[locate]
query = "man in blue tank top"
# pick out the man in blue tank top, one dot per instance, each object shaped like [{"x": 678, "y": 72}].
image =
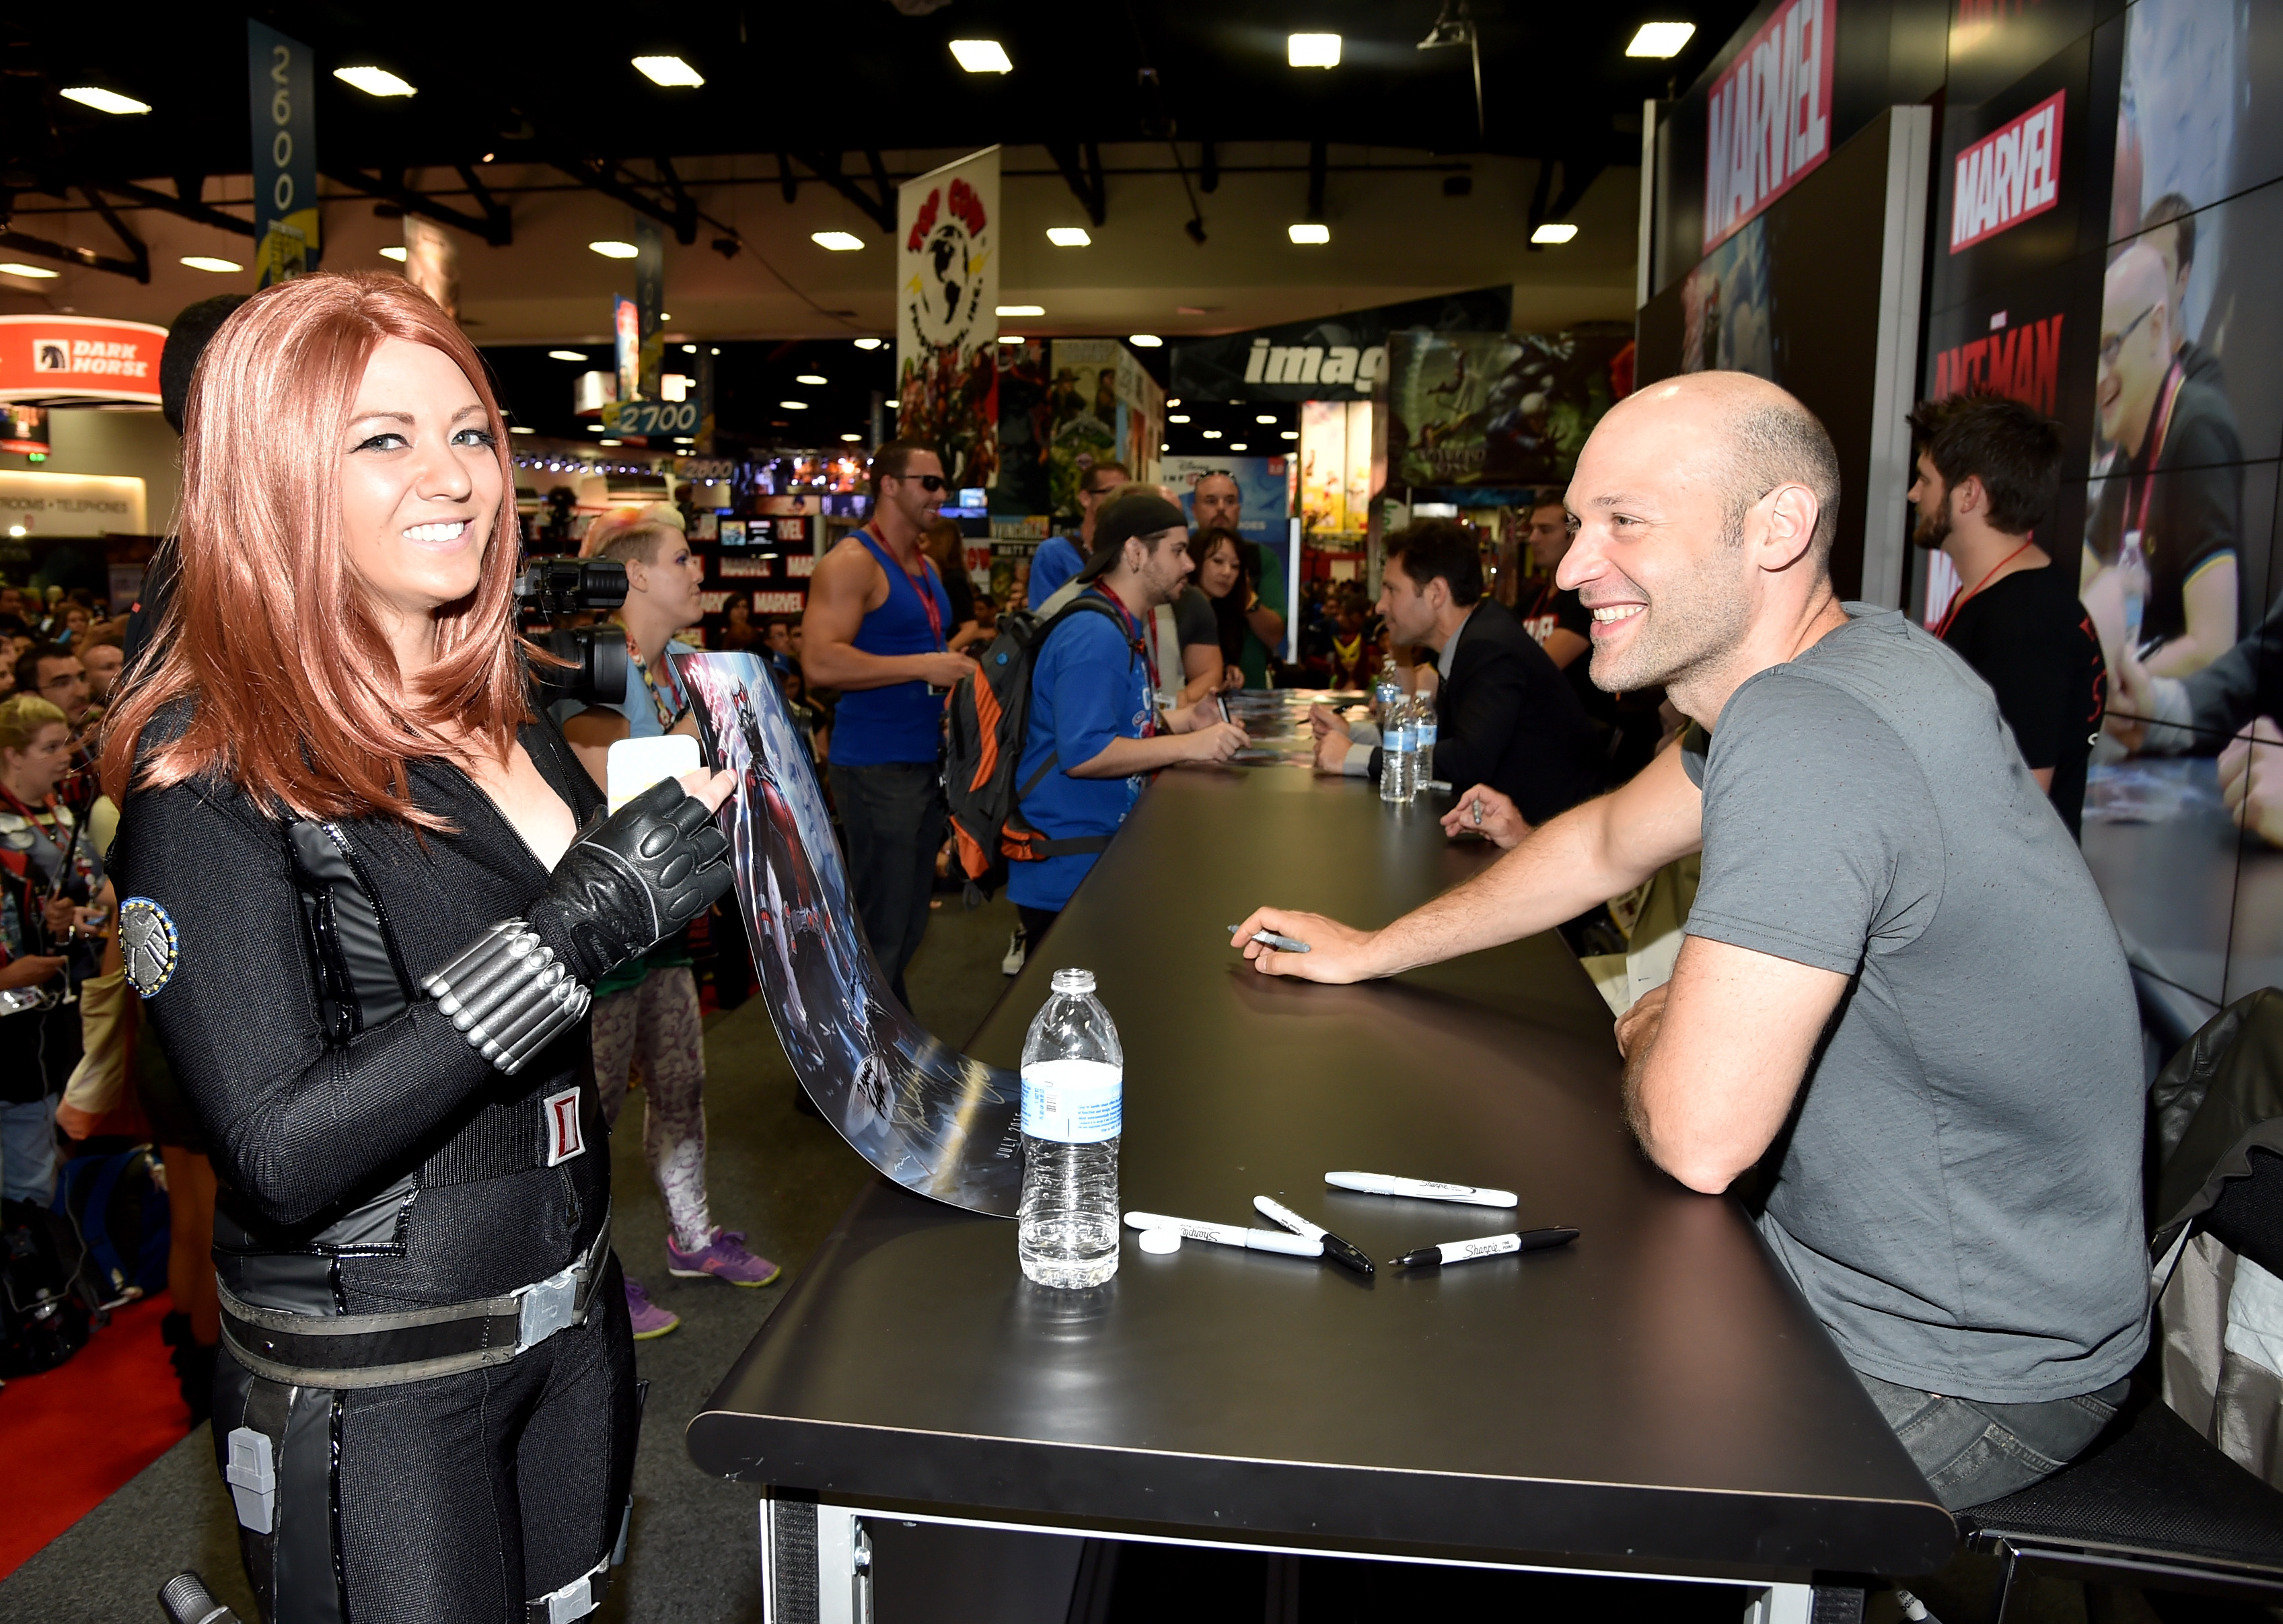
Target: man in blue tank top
[{"x": 878, "y": 628}]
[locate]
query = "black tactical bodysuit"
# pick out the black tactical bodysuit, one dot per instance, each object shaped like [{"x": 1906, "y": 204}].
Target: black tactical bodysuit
[{"x": 370, "y": 1163}]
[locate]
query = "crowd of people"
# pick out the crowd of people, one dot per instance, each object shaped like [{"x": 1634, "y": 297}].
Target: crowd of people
[{"x": 350, "y": 797}]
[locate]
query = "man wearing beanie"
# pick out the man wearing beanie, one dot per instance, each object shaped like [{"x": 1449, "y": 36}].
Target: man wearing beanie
[{"x": 1094, "y": 729}]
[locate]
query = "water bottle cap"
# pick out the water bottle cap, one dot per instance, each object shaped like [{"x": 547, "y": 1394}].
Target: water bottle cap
[{"x": 1073, "y": 980}]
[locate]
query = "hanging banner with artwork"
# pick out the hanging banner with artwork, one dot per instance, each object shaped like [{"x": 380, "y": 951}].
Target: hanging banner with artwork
[
  {"x": 281, "y": 75},
  {"x": 1499, "y": 408},
  {"x": 924, "y": 1114},
  {"x": 432, "y": 262},
  {"x": 1100, "y": 407},
  {"x": 947, "y": 315},
  {"x": 1331, "y": 357}
]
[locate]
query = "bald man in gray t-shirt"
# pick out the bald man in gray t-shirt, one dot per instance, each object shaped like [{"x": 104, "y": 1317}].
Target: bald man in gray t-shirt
[{"x": 1899, "y": 997}]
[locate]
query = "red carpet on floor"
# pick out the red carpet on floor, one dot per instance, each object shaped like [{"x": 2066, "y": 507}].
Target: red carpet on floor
[{"x": 73, "y": 1435}]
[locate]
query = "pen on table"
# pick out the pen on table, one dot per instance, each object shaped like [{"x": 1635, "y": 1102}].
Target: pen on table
[
  {"x": 1421, "y": 1189},
  {"x": 1341, "y": 1252},
  {"x": 1487, "y": 1246},
  {"x": 1269, "y": 938},
  {"x": 1228, "y": 1234},
  {"x": 1440, "y": 786}
]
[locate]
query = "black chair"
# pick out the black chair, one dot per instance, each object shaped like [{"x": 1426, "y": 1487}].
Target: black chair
[{"x": 2152, "y": 1502}]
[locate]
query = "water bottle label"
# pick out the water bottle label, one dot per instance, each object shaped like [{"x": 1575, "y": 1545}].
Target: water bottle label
[
  {"x": 1073, "y": 1102},
  {"x": 1400, "y": 740}
]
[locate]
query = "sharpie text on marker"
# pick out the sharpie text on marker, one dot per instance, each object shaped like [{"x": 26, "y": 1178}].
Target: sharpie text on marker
[
  {"x": 1421, "y": 1189},
  {"x": 1228, "y": 1234},
  {"x": 1486, "y": 1246}
]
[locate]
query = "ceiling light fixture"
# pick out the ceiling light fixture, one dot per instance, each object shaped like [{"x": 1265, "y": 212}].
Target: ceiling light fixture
[
  {"x": 1010, "y": 338},
  {"x": 1660, "y": 38},
  {"x": 869, "y": 343},
  {"x": 565, "y": 356},
  {"x": 1022, "y": 310},
  {"x": 1177, "y": 417},
  {"x": 374, "y": 81},
  {"x": 839, "y": 242},
  {"x": 395, "y": 251},
  {"x": 610, "y": 442},
  {"x": 1176, "y": 400},
  {"x": 669, "y": 73},
  {"x": 1069, "y": 237},
  {"x": 1308, "y": 233},
  {"x": 1312, "y": 50},
  {"x": 1290, "y": 434},
  {"x": 1145, "y": 341},
  {"x": 1551, "y": 232},
  {"x": 594, "y": 428},
  {"x": 689, "y": 349},
  {"x": 517, "y": 428},
  {"x": 981, "y": 56},
  {"x": 1263, "y": 417},
  {"x": 611, "y": 248},
  {"x": 794, "y": 406},
  {"x": 1212, "y": 433},
  {"x": 1238, "y": 444},
  {"x": 15, "y": 268},
  {"x": 811, "y": 379},
  {"x": 851, "y": 438},
  {"x": 208, "y": 262},
  {"x": 102, "y": 100}
]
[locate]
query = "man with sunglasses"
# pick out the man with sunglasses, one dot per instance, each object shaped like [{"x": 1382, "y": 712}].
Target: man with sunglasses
[
  {"x": 2175, "y": 489},
  {"x": 878, "y": 628},
  {"x": 1060, "y": 558}
]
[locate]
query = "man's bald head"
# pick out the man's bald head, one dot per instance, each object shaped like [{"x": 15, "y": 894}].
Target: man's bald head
[
  {"x": 2136, "y": 343},
  {"x": 1749, "y": 436},
  {"x": 1706, "y": 508}
]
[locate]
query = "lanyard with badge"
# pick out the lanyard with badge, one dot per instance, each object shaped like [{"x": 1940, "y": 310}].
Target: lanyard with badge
[
  {"x": 2136, "y": 525},
  {"x": 922, "y": 582},
  {"x": 1141, "y": 645},
  {"x": 669, "y": 706}
]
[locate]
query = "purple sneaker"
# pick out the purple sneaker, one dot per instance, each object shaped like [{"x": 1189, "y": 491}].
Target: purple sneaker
[
  {"x": 724, "y": 1257},
  {"x": 649, "y": 1319}
]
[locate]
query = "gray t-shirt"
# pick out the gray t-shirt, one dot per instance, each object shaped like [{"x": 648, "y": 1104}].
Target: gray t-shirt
[{"x": 1959, "y": 1194}]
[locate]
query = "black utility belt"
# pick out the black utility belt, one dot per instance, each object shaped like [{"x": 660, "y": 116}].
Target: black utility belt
[{"x": 381, "y": 1350}]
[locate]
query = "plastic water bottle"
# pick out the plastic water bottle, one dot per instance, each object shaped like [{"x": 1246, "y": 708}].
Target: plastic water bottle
[
  {"x": 1073, "y": 1094},
  {"x": 1397, "y": 759},
  {"x": 2132, "y": 575},
  {"x": 1423, "y": 729},
  {"x": 1386, "y": 693}
]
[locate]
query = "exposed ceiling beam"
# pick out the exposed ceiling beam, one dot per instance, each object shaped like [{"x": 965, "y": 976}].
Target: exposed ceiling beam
[
  {"x": 135, "y": 247},
  {"x": 1081, "y": 167},
  {"x": 879, "y": 207},
  {"x": 603, "y": 175},
  {"x": 39, "y": 248},
  {"x": 183, "y": 203},
  {"x": 494, "y": 226}
]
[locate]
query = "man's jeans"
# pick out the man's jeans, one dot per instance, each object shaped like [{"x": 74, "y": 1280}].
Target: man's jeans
[
  {"x": 28, "y": 1150},
  {"x": 895, "y": 817},
  {"x": 1972, "y": 1452}
]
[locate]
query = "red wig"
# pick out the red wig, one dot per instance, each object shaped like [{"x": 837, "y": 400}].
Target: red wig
[{"x": 292, "y": 687}]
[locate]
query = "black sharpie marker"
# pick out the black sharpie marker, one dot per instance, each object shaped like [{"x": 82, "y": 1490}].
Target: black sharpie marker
[{"x": 1488, "y": 1246}]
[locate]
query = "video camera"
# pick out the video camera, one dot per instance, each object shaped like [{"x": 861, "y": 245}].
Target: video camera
[{"x": 594, "y": 656}]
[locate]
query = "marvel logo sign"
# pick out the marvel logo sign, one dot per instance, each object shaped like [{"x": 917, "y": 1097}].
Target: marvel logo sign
[
  {"x": 2008, "y": 177},
  {"x": 1768, "y": 119}
]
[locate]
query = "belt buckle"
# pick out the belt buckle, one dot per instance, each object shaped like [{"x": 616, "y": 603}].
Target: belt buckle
[{"x": 547, "y": 1307}]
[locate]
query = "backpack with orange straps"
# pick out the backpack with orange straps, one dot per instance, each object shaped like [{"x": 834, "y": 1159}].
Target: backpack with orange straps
[{"x": 990, "y": 720}]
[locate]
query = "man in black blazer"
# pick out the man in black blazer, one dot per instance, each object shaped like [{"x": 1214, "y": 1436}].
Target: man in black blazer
[{"x": 1505, "y": 714}]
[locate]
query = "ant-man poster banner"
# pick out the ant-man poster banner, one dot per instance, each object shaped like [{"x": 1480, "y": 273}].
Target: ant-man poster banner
[{"x": 923, "y": 1114}]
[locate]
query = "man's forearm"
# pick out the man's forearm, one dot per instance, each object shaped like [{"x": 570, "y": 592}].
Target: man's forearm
[
  {"x": 846, "y": 667},
  {"x": 1586, "y": 855},
  {"x": 1125, "y": 758}
]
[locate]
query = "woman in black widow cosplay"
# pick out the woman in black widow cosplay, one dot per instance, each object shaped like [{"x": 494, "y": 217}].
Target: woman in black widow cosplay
[{"x": 364, "y": 916}]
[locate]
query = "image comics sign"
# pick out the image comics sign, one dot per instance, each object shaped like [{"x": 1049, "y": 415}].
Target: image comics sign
[{"x": 925, "y": 1116}]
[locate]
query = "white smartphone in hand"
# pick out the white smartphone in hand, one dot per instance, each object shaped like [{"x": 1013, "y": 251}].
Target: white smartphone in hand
[{"x": 634, "y": 765}]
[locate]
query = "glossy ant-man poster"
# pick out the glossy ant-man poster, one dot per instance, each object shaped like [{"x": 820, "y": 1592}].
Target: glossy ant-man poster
[{"x": 926, "y": 1115}]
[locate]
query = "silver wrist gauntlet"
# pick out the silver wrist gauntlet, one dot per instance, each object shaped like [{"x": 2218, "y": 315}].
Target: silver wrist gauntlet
[{"x": 508, "y": 996}]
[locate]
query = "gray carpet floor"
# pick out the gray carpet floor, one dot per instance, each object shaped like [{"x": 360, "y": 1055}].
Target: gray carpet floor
[{"x": 780, "y": 1176}]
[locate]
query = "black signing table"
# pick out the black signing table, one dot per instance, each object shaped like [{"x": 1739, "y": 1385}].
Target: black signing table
[{"x": 1655, "y": 1399}]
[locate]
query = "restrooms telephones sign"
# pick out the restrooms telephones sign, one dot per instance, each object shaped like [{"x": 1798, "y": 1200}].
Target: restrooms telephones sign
[{"x": 1768, "y": 119}]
